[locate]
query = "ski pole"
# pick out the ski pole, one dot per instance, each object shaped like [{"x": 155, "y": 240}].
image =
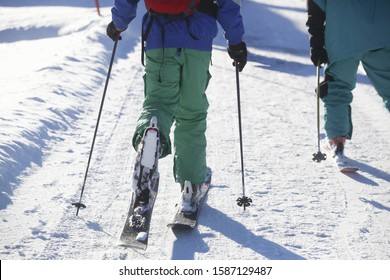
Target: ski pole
[
  {"x": 97, "y": 7},
  {"x": 79, "y": 204},
  {"x": 318, "y": 156},
  {"x": 243, "y": 200}
]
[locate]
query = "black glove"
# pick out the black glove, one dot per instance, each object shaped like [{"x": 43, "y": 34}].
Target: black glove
[
  {"x": 318, "y": 54},
  {"x": 239, "y": 54},
  {"x": 112, "y": 32},
  {"x": 316, "y": 28}
]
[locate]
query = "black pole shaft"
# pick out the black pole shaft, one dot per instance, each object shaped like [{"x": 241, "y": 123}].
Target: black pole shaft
[
  {"x": 240, "y": 130},
  {"x": 79, "y": 204},
  {"x": 318, "y": 107},
  {"x": 318, "y": 156}
]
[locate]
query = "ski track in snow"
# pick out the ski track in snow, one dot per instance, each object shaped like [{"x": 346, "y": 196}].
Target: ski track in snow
[{"x": 301, "y": 209}]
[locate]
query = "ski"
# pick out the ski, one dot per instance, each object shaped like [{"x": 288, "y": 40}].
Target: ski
[
  {"x": 348, "y": 169},
  {"x": 135, "y": 232},
  {"x": 189, "y": 221}
]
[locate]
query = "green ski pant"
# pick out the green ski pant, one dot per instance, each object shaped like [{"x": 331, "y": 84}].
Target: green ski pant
[
  {"x": 175, "y": 83},
  {"x": 338, "y": 121}
]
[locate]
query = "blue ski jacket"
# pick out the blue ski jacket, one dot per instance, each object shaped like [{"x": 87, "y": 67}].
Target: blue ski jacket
[
  {"x": 355, "y": 26},
  {"x": 196, "y": 31}
]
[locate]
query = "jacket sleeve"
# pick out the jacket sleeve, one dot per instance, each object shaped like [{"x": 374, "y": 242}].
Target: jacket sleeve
[
  {"x": 123, "y": 12},
  {"x": 315, "y": 20},
  {"x": 229, "y": 17}
]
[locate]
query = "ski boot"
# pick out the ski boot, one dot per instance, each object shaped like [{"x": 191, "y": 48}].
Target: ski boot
[
  {"x": 335, "y": 147},
  {"x": 145, "y": 173},
  {"x": 190, "y": 198}
]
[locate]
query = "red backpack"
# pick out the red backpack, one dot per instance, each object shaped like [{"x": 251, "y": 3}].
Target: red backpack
[{"x": 172, "y": 7}]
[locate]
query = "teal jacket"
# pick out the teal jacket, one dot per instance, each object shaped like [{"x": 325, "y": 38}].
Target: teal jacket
[{"x": 355, "y": 26}]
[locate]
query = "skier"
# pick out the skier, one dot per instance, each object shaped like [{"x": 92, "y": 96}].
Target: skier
[
  {"x": 178, "y": 48},
  {"x": 343, "y": 34}
]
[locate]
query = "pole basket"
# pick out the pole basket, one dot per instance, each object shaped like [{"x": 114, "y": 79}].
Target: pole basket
[
  {"x": 244, "y": 201},
  {"x": 318, "y": 157},
  {"x": 78, "y": 205}
]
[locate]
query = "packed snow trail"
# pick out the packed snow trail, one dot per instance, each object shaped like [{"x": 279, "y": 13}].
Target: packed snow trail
[{"x": 300, "y": 210}]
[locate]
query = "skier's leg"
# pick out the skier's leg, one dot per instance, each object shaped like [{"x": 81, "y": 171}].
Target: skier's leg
[
  {"x": 377, "y": 66},
  {"x": 162, "y": 88},
  {"x": 190, "y": 128},
  {"x": 337, "y": 102}
]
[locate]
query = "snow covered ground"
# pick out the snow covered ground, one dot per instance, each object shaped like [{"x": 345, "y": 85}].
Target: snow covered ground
[{"x": 54, "y": 61}]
